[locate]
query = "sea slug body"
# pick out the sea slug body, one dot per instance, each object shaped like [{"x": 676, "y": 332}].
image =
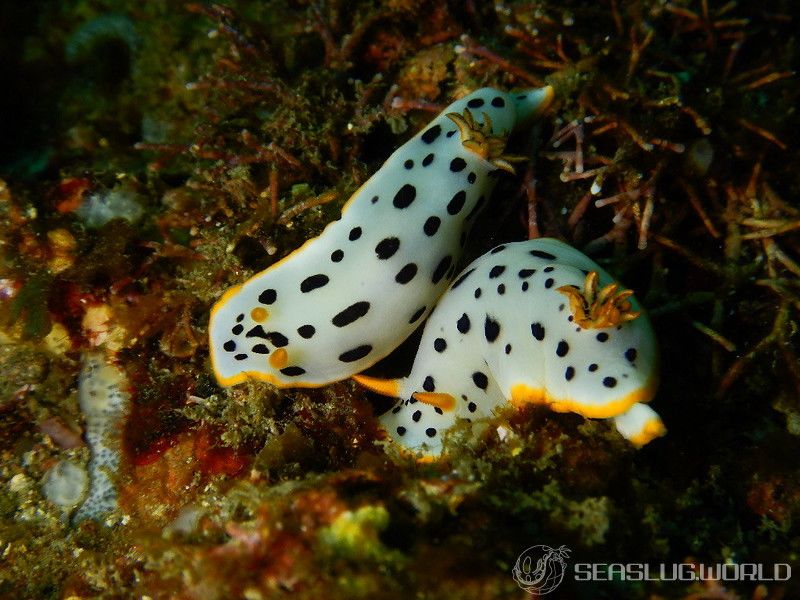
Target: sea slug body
[
  {"x": 103, "y": 397},
  {"x": 347, "y": 298},
  {"x": 534, "y": 321}
]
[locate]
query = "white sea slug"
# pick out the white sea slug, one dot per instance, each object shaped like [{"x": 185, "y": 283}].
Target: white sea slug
[
  {"x": 534, "y": 321},
  {"x": 347, "y": 298},
  {"x": 103, "y": 397}
]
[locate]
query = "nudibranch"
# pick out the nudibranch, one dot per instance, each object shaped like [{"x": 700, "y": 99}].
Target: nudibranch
[
  {"x": 534, "y": 321},
  {"x": 350, "y": 296},
  {"x": 104, "y": 398}
]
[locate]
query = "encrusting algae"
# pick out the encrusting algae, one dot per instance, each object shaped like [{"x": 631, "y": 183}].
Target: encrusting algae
[{"x": 154, "y": 158}]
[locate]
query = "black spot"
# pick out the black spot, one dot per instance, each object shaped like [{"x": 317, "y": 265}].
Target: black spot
[
  {"x": 497, "y": 249},
  {"x": 278, "y": 339},
  {"x": 472, "y": 407},
  {"x": 240, "y": 356},
  {"x": 560, "y": 307},
  {"x": 508, "y": 348},
  {"x": 409, "y": 164},
  {"x": 457, "y": 203},
  {"x": 476, "y": 208},
  {"x": 569, "y": 373},
  {"x": 472, "y": 178},
  {"x": 475, "y": 103},
  {"x": 268, "y": 296},
  {"x": 312, "y": 283},
  {"x": 438, "y": 410},
  {"x": 521, "y": 97},
  {"x": 441, "y": 269},
  {"x": 428, "y": 385},
  {"x": 356, "y": 353},
  {"x": 405, "y": 196},
  {"x": 406, "y": 274},
  {"x": 387, "y": 247},
  {"x": 431, "y": 225},
  {"x": 355, "y": 233},
  {"x": 602, "y": 336},
  {"x": 537, "y": 329},
  {"x": 427, "y": 160},
  {"x": 401, "y": 430},
  {"x": 416, "y": 416},
  {"x": 397, "y": 409},
  {"x": 430, "y": 432},
  {"x": 630, "y": 354},
  {"x": 478, "y": 293},
  {"x": 549, "y": 282},
  {"x": 498, "y": 102},
  {"x": 306, "y": 331},
  {"x": 257, "y": 331},
  {"x": 337, "y": 255},
  {"x": 609, "y": 382},
  {"x": 260, "y": 349},
  {"x": 480, "y": 380},
  {"x": 439, "y": 344},
  {"x": 463, "y": 323},
  {"x": 451, "y": 133},
  {"x": 491, "y": 329},
  {"x": 293, "y": 371},
  {"x": 461, "y": 279},
  {"x": 501, "y": 289},
  {"x": 431, "y": 134},
  {"x": 374, "y": 200},
  {"x": 570, "y": 318},
  {"x": 542, "y": 254},
  {"x": 592, "y": 367},
  {"x": 562, "y": 349},
  {"x": 524, "y": 286},
  {"x": 548, "y": 269},
  {"x": 237, "y": 329},
  {"x": 350, "y": 314},
  {"x": 525, "y": 273},
  {"x": 415, "y": 317},
  {"x": 229, "y": 346},
  {"x": 240, "y": 318},
  {"x": 496, "y": 271},
  {"x": 457, "y": 164}
]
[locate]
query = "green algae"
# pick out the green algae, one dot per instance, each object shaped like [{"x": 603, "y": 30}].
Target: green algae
[{"x": 30, "y": 307}]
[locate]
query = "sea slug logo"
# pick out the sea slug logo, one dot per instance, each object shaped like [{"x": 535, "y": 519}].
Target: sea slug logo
[{"x": 540, "y": 569}]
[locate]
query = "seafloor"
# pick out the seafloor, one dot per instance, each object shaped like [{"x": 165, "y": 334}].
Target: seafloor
[{"x": 154, "y": 154}]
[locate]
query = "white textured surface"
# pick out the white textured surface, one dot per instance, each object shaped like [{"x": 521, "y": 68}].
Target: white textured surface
[{"x": 103, "y": 399}]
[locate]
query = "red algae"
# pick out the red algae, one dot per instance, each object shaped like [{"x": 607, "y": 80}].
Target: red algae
[{"x": 216, "y": 459}]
